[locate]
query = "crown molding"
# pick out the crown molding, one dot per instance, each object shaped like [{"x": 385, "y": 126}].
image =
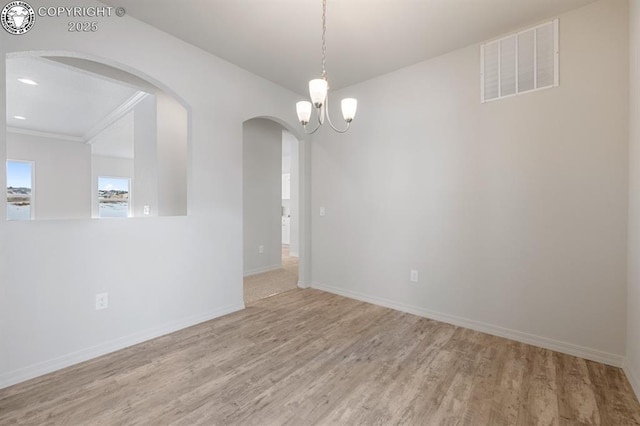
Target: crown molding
[
  {"x": 49, "y": 135},
  {"x": 114, "y": 116}
]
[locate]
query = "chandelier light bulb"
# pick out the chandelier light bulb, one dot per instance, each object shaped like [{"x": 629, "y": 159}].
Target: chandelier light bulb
[
  {"x": 318, "y": 91},
  {"x": 349, "y": 107},
  {"x": 303, "y": 108}
]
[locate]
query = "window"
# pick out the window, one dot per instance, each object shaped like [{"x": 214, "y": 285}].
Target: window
[
  {"x": 19, "y": 190},
  {"x": 520, "y": 63},
  {"x": 113, "y": 196}
]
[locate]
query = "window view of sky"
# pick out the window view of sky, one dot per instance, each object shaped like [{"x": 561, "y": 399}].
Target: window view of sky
[
  {"x": 113, "y": 184},
  {"x": 18, "y": 174}
]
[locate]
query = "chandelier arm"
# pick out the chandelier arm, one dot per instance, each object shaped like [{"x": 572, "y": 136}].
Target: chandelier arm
[
  {"x": 318, "y": 90},
  {"x": 326, "y": 106},
  {"x": 317, "y": 125},
  {"x": 312, "y": 131},
  {"x": 338, "y": 130}
]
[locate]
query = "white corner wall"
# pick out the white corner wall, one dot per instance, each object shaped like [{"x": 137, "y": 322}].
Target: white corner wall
[
  {"x": 262, "y": 195},
  {"x": 513, "y": 212},
  {"x": 62, "y": 182},
  {"x": 632, "y": 365},
  {"x": 145, "y": 156},
  {"x": 294, "y": 202},
  {"x": 172, "y": 156},
  {"x": 172, "y": 271}
]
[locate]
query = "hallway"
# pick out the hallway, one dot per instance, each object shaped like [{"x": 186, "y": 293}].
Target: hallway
[{"x": 261, "y": 286}]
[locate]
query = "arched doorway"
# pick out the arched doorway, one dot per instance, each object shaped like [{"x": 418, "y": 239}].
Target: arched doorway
[{"x": 274, "y": 213}]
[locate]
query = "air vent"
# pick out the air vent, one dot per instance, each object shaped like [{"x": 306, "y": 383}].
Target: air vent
[{"x": 520, "y": 63}]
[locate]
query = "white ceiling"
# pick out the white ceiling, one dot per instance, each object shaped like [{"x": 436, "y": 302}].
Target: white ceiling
[
  {"x": 68, "y": 102},
  {"x": 280, "y": 39}
]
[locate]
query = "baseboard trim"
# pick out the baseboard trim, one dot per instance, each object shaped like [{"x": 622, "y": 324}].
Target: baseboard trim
[
  {"x": 303, "y": 284},
  {"x": 49, "y": 366},
  {"x": 262, "y": 270},
  {"x": 531, "y": 339},
  {"x": 632, "y": 377}
]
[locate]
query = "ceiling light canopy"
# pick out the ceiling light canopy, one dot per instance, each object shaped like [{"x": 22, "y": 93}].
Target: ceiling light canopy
[
  {"x": 318, "y": 91},
  {"x": 28, "y": 81}
]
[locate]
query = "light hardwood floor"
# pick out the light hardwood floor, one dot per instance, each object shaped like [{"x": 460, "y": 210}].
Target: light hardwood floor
[
  {"x": 307, "y": 357},
  {"x": 267, "y": 284}
]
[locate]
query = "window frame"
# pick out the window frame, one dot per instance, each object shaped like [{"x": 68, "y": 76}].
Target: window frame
[
  {"x": 556, "y": 64},
  {"x": 129, "y": 199},
  {"x": 32, "y": 195}
]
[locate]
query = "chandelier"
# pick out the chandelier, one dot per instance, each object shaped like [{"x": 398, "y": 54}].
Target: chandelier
[{"x": 318, "y": 90}]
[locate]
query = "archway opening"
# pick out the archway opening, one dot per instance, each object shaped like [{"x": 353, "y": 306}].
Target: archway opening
[{"x": 272, "y": 209}]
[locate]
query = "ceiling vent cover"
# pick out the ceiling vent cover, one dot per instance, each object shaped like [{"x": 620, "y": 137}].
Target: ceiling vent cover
[{"x": 520, "y": 63}]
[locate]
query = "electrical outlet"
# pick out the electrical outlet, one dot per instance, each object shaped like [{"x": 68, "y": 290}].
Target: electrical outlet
[
  {"x": 102, "y": 301},
  {"x": 260, "y": 249},
  {"x": 414, "y": 276},
  {"x": 147, "y": 209}
]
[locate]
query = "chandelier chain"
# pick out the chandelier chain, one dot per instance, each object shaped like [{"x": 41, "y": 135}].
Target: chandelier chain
[
  {"x": 318, "y": 89},
  {"x": 324, "y": 39}
]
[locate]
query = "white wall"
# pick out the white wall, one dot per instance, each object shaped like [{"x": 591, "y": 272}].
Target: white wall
[
  {"x": 172, "y": 156},
  {"x": 172, "y": 271},
  {"x": 145, "y": 156},
  {"x": 117, "y": 139},
  {"x": 294, "y": 206},
  {"x": 632, "y": 366},
  {"x": 513, "y": 212},
  {"x": 62, "y": 183},
  {"x": 262, "y": 195}
]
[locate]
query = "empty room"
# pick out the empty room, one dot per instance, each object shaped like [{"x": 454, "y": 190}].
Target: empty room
[{"x": 320, "y": 212}]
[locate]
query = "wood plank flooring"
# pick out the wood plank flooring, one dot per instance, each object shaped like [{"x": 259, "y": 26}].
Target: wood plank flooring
[
  {"x": 267, "y": 284},
  {"x": 305, "y": 357}
]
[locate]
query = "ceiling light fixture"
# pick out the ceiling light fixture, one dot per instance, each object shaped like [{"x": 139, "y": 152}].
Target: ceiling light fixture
[
  {"x": 28, "y": 81},
  {"x": 19, "y": 117},
  {"x": 318, "y": 89}
]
